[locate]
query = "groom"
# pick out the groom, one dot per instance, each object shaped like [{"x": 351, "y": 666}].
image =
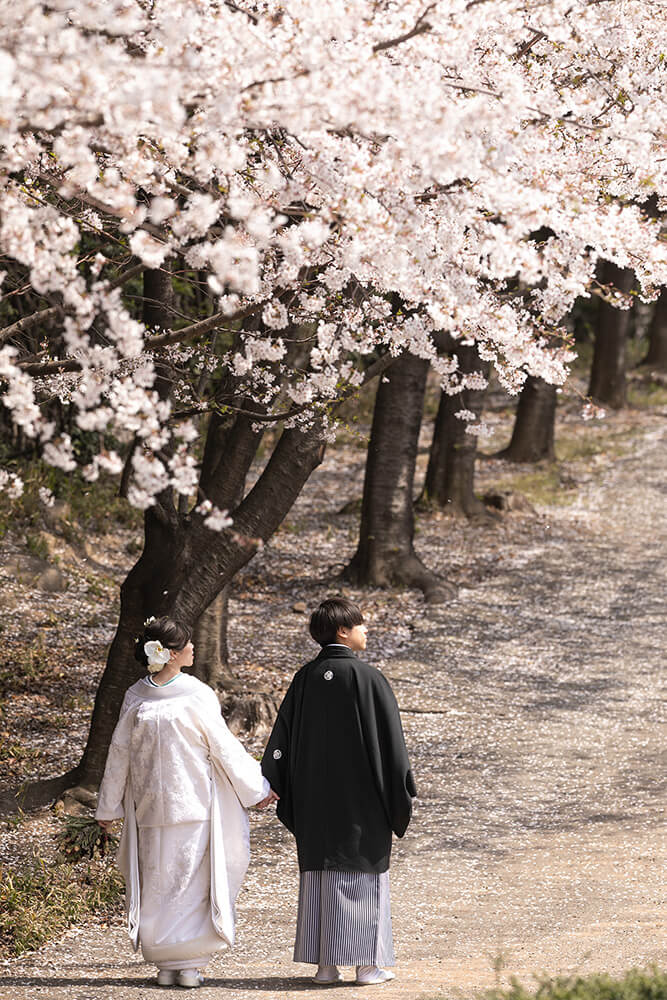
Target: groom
[{"x": 337, "y": 759}]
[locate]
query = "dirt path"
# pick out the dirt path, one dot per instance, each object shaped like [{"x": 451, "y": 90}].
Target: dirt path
[{"x": 532, "y": 709}]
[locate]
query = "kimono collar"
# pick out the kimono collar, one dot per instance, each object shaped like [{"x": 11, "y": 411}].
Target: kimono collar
[
  {"x": 183, "y": 687},
  {"x": 333, "y": 651}
]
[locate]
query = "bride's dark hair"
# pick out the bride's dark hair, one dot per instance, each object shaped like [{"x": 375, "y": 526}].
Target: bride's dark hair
[{"x": 171, "y": 633}]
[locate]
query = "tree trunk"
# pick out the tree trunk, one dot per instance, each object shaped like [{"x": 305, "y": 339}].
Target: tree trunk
[
  {"x": 228, "y": 454},
  {"x": 385, "y": 555},
  {"x": 450, "y": 474},
  {"x": 607, "y": 384},
  {"x": 656, "y": 357},
  {"x": 533, "y": 433},
  {"x": 211, "y": 663}
]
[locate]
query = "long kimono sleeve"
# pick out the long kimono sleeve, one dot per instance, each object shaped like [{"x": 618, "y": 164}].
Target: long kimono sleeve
[
  {"x": 112, "y": 788},
  {"x": 278, "y": 758},
  {"x": 385, "y": 745},
  {"x": 229, "y": 755}
]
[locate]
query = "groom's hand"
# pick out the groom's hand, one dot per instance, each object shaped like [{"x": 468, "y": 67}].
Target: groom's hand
[{"x": 271, "y": 797}]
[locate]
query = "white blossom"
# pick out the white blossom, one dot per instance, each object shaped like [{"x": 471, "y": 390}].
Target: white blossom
[{"x": 215, "y": 519}]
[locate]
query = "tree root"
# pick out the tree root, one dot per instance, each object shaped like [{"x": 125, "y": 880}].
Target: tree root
[
  {"x": 250, "y": 712},
  {"x": 402, "y": 574},
  {"x": 37, "y": 794}
]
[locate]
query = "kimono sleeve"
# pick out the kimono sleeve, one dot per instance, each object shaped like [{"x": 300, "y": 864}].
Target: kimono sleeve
[
  {"x": 279, "y": 756},
  {"x": 385, "y": 745},
  {"x": 112, "y": 788},
  {"x": 229, "y": 755}
]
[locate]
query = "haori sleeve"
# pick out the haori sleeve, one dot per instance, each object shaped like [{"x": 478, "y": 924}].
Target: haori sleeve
[
  {"x": 112, "y": 788},
  {"x": 385, "y": 745},
  {"x": 276, "y": 759},
  {"x": 230, "y": 756}
]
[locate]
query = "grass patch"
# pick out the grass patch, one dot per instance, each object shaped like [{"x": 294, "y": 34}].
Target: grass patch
[
  {"x": 42, "y": 901},
  {"x": 596, "y": 441},
  {"x": 637, "y": 984},
  {"x": 541, "y": 485},
  {"x": 24, "y": 665},
  {"x": 647, "y": 394},
  {"x": 89, "y": 506}
]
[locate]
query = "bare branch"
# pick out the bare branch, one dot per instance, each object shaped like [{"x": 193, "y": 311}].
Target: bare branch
[
  {"x": 203, "y": 326},
  {"x": 421, "y": 26},
  {"x": 28, "y": 322},
  {"x": 131, "y": 272},
  {"x": 527, "y": 46}
]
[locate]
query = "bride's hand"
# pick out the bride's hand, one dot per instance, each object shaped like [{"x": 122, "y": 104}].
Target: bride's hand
[{"x": 271, "y": 797}]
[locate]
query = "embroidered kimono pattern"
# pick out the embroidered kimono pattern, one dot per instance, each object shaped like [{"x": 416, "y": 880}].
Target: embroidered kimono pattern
[{"x": 183, "y": 783}]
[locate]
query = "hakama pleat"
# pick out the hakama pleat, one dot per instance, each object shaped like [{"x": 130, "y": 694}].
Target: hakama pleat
[
  {"x": 344, "y": 918},
  {"x": 175, "y": 929}
]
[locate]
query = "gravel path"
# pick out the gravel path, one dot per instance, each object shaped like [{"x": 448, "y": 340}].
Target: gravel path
[{"x": 532, "y": 710}]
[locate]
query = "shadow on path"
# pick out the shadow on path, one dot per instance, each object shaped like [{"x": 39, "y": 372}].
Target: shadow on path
[{"x": 275, "y": 984}]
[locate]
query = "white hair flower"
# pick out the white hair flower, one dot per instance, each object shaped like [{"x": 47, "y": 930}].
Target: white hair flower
[
  {"x": 149, "y": 620},
  {"x": 157, "y": 655}
]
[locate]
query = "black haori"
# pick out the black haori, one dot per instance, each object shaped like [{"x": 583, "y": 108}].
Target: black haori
[{"x": 337, "y": 759}]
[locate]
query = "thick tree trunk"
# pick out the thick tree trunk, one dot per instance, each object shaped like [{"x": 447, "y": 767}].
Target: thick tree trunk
[
  {"x": 450, "y": 474},
  {"x": 385, "y": 555},
  {"x": 534, "y": 425},
  {"x": 608, "y": 384},
  {"x": 228, "y": 454},
  {"x": 211, "y": 663},
  {"x": 656, "y": 357}
]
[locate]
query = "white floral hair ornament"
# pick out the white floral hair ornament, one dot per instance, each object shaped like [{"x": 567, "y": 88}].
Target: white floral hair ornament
[
  {"x": 157, "y": 655},
  {"x": 149, "y": 620}
]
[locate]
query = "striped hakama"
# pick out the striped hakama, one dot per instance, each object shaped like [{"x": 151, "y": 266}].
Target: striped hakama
[{"x": 344, "y": 919}]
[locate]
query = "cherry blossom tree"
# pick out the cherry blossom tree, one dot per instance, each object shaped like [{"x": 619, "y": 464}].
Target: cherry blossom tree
[{"x": 306, "y": 164}]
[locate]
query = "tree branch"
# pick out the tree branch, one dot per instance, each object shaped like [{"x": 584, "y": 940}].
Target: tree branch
[
  {"x": 527, "y": 46},
  {"x": 420, "y": 27},
  {"x": 28, "y": 322}
]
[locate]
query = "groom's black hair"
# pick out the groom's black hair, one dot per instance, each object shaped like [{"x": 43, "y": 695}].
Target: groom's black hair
[{"x": 331, "y": 615}]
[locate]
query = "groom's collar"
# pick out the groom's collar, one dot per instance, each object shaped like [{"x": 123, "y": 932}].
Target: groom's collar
[{"x": 334, "y": 650}]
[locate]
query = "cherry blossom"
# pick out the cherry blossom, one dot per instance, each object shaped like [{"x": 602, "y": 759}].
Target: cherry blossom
[{"x": 351, "y": 178}]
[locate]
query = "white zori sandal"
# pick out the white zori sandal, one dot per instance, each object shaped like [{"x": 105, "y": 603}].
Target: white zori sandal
[
  {"x": 371, "y": 975},
  {"x": 166, "y": 977},
  {"x": 327, "y": 974},
  {"x": 189, "y": 978}
]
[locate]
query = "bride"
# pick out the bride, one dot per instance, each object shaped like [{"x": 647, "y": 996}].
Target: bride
[{"x": 183, "y": 784}]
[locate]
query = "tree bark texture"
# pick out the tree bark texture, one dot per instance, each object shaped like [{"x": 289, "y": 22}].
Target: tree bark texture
[
  {"x": 229, "y": 450},
  {"x": 534, "y": 424},
  {"x": 608, "y": 383},
  {"x": 657, "y": 335},
  {"x": 385, "y": 554},
  {"x": 450, "y": 474},
  {"x": 211, "y": 663}
]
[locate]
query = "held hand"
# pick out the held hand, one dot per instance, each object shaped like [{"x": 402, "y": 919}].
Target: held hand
[
  {"x": 105, "y": 823},
  {"x": 271, "y": 797}
]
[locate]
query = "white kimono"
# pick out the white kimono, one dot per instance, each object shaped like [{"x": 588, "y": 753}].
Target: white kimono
[{"x": 183, "y": 784}]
